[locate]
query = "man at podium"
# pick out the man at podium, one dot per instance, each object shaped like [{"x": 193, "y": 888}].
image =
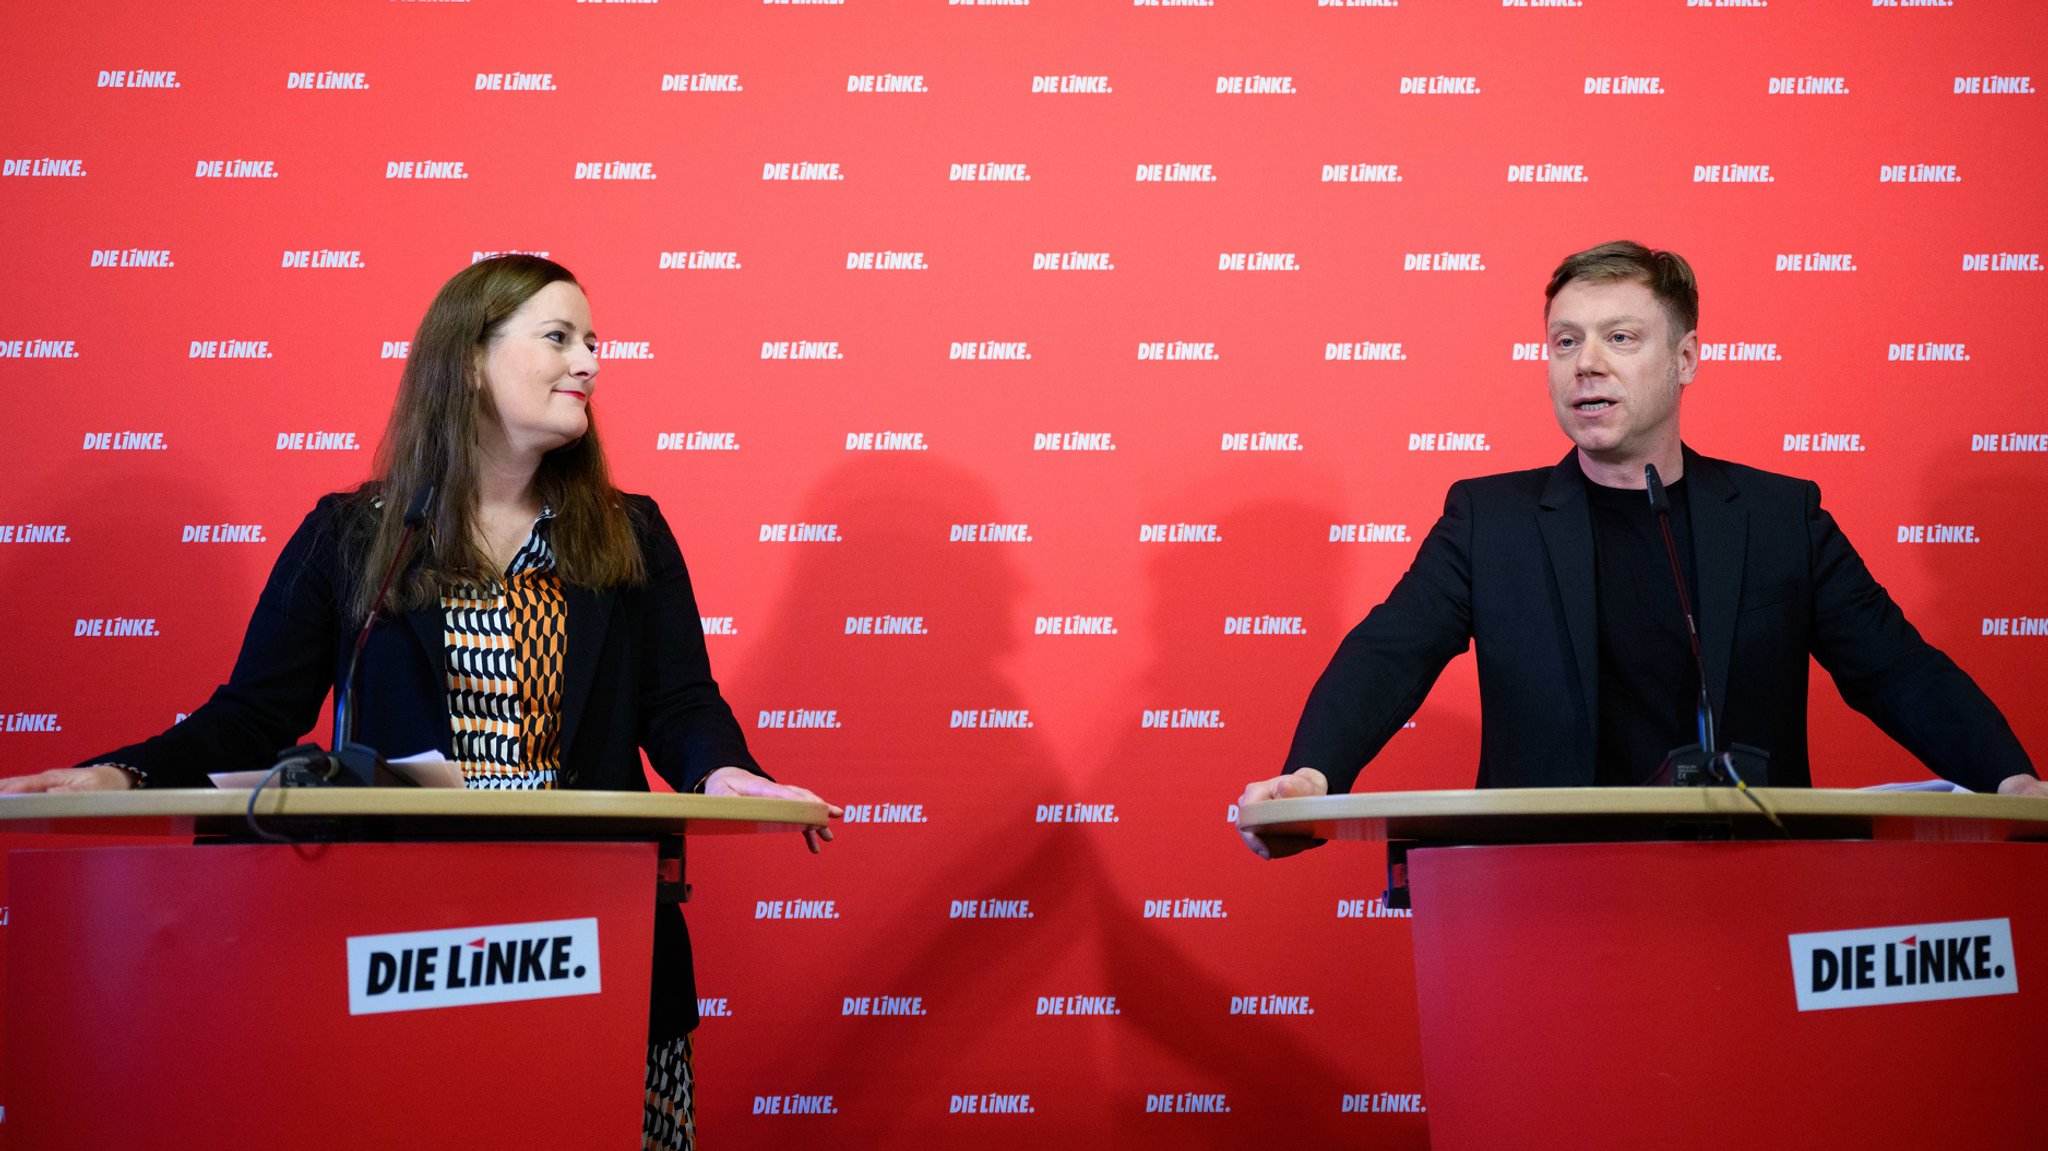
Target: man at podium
[{"x": 1583, "y": 610}]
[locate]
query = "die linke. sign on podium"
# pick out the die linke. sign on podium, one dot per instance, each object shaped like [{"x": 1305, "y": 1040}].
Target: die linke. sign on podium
[
  {"x": 1698, "y": 976},
  {"x": 359, "y": 991}
]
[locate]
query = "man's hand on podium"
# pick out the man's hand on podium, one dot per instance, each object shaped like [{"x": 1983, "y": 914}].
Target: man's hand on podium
[
  {"x": 2022, "y": 785},
  {"x": 740, "y": 781},
  {"x": 1295, "y": 785},
  {"x": 99, "y": 777}
]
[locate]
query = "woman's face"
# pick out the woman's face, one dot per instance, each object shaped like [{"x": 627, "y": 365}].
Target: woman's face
[{"x": 540, "y": 370}]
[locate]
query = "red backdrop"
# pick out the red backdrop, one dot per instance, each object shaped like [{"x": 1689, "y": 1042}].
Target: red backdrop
[{"x": 166, "y": 166}]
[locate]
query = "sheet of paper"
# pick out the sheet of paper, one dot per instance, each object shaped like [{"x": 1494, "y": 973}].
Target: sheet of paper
[
  {"x": 1919, "y": 785},
  {"x": 427, "y": 769}
]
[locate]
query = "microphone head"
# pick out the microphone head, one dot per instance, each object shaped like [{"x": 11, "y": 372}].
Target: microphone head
[
  {"x": 416, "y": 511},
  {"x": 1659, "y": 502}
]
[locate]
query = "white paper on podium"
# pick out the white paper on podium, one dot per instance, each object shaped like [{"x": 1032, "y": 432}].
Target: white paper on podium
[
  {"x": 427, "y": 769},
  {"x": 1920, "y": 785}
]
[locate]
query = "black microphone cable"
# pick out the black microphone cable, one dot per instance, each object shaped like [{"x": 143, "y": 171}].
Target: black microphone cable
[
  {"x": 250, "y": 813},
  {"x": 1720, "y": 763},
  {"x": 344, "y": 700}
]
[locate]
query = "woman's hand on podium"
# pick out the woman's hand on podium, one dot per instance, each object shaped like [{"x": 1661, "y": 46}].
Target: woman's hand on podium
[
  {"x": 740, "y": 781},
  {"x": 1294, "y": 785},
  {"x": 99, "y": 777},
  {"x": 2022, "y": 785}
]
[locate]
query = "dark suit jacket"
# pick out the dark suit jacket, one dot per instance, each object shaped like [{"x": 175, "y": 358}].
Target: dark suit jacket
[
  {"x": 636, "y": 675},
  {"x": 1509, "y": 568}
]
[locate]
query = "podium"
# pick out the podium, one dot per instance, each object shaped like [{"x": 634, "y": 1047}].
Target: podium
[
  {"x": 1627, "y": 968},
  {"x": 427, "y": 968}
]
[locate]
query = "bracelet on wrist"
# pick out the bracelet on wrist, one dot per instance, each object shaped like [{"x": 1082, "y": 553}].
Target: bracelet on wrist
[{"x": 137, "y": 778}]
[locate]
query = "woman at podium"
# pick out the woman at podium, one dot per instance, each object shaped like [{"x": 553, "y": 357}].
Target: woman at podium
[{"x": 539, "y": 631}]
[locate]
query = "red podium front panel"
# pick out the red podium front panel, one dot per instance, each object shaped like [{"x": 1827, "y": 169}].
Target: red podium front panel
[
  {"x": 328, "y": 996},
  {"x": 1758, "y": 995}
]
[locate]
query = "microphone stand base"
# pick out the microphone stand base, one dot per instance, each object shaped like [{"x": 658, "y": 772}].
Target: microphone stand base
[
  {"x": 1692, "y": 766},
  {"x": 351, "y": 765}
]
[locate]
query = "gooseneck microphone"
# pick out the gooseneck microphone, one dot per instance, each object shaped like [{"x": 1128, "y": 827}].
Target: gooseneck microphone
[
  {"x": 344, "y": 699},
  {"x": 1706, "y": 761},
  {"x": 1660, "y": 502},
  {"x": 350, "y": 763}
]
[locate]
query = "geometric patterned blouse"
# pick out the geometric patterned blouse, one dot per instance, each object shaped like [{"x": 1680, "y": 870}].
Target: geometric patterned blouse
[{"x": 506, "y": 645}]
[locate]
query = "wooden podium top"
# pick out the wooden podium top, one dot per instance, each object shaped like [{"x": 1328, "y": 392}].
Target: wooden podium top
[
  {"x": 406, "y": 812},
  {"x": 1578, "y": 814}
]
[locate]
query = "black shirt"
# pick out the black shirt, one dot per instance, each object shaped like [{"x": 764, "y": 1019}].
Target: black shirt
[{"x": 1649, "y": 689}]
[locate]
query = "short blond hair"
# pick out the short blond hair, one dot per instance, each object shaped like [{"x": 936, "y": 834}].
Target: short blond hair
[{"x": 1666, "y": 274}]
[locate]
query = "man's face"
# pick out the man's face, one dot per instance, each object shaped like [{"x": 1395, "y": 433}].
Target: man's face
[{"x": 1616, "y": 371}]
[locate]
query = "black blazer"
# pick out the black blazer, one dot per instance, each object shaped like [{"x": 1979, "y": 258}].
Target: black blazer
[
  {"x": 1509, "y": 568},
  {"x": 636, "y": 675}
]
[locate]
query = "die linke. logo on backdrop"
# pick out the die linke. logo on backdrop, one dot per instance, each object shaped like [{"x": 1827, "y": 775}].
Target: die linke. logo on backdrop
[
  {"x": 516, "y": 82},
  {"x": 615, "y": 170},
  {"x": 38, "y": 349},
  {"x": 1176, "y": 173},
  {"x": 1361, "y": 173},
  {"x": 1442, "y": 262},
  {"x": 1807, "y": 85},
  {"x": 1994, "y": 86},
  {"x": 801, "y": 170},
  {"x": 1439, "y": 86},
  {"x": 1378, "y": 1102},
  {"x": 1187, "y": 1103},
  {"x": 2002, "y": 262},
  {"x": 701, "y": 82},
  {"x": 131, "y": 258},
  {"x": 885, "y": 813},
  {"x": 425, "y": 170},
  {"x": 699, "y": 260},
  {"x": 2009, "y": 442},
  {"x": 42, "y": 166},
  {"x": 457, "y": 967},
  {"x": 989, "y": 350},
  {"x": 2019, "y": 625},
  {"x": 1816, "y": 262},
  {"x": 139, "y": 78},
  {"x": 1738, "y": 352},
  {"x": 1732, "y": 174},
  {"x": 884, "y": 82},
  {"x": 35, "y": 533},
  {"x": 1918, "y": 174},
  {"x": 1255, "y": 86},
  {"x": 1379, "y": 350},
  {"x": 317, "y": 441},
  {"x": 1072, "y": 85},
  {"x": 1825, "y": 442},
  {"x": 236, "y": 169},
  {"x": 795, "y": 1104},
  {"x": 322, "y": 258},
  {"x": 328, "y": 81},
  {"x": 1914, "y": 963},
  {"x": 1624, "y": 86},
  {"x": 1547, "y": 173},
  {"x": 990, "y": 171}
]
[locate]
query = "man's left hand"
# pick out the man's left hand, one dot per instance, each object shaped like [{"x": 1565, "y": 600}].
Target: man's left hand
[
  {"x": 2022, "y": 785},
  {"x": 740, "y": 781}
]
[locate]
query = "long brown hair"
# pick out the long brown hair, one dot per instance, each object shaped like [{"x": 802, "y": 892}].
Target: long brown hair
[{"x": 433, "y": 439}]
